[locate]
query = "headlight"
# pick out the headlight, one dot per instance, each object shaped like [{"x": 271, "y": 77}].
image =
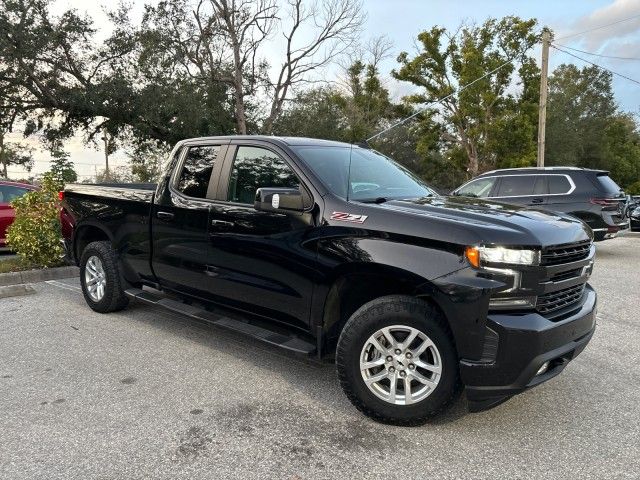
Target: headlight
[{"x": 479, "y": 256}]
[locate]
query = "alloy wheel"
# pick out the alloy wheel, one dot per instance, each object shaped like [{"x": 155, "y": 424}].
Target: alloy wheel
[{"x": 400, "y": 365}]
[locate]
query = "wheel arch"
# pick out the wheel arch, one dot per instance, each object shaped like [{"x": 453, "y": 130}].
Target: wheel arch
[
  {"x": 85, "y": 234},
  {"x": 357, "y": 285}
]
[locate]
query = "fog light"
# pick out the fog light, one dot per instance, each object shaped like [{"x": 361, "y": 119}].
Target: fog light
[{"x": 543, "y": 368}]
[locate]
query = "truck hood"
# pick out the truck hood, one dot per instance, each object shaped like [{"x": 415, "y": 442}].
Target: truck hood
[{"x": 494, "y": 222}]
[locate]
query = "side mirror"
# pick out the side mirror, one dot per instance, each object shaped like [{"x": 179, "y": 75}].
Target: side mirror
[{"x": 279, "y": 200}]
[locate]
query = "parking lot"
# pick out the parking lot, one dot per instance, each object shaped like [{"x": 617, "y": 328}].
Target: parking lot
[{"x": 147, "y": 394}]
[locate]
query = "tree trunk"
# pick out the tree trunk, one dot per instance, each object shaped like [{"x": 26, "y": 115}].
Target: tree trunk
[
  {"x": 472, "y": 152},
  {"x": 2, "y": 160},
  {"x": 241, "y": 118}
]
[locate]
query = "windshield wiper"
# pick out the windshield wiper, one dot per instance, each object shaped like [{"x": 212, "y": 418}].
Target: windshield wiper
[{"x": 377, "y": 200}]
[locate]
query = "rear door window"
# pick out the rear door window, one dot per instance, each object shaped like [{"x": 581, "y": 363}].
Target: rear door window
[
  {"x": 480, "y": 188},
  {"x": 196, "y": 170},
  {"x": 516, "y": 185},
  {"x": 558, "y": 185}
]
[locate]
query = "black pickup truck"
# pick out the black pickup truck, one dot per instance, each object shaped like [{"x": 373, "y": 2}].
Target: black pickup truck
[{"x": 335, "y": 251}]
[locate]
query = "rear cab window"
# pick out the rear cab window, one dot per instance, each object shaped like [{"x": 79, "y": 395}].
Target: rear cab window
[{"x": 196, "y": 170}]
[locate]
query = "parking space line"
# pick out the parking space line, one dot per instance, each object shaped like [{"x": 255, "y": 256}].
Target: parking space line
[{"x": 64, "y": 286}]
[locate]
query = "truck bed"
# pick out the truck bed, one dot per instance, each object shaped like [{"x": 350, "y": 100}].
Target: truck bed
[{"x": 141, "y": 192}]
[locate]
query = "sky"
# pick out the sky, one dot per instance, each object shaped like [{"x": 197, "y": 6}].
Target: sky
[{"x": 401, "y": 21}]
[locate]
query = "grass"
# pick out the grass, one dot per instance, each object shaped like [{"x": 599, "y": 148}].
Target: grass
[{"x": 17, "y": 264}]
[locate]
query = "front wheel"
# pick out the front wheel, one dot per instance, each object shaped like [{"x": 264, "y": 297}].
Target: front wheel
[
  {"x": 100, "y": 278},
  {"x": 396, "y": 361}
]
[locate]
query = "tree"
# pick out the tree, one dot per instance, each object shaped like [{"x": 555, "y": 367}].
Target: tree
[
  {"x": 62, "y": 169},
  {"x": 585, "y": 127},
  {"x": 316, "y": 112},
  {"x": 147, "y": 161},
  {"x": 349, "y": 114},
  {"x": 470, "y": 124},
  {"x": 366, "y": 103},
  {"x": 52, "y": 70},
  {"x": 14, "y": 153},
  {"x": 330, "y": 28}
]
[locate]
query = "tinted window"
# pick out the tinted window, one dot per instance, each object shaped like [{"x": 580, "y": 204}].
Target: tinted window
[
  {"x": 558, "y": 184},
  {"x": 608, "y": 185},
  {"x": 254, "y": 168},
  {"x": 478, "y": 188},
  {"x": 362, "y": 174},
  {"x": 541, "y": 185},
  {"x": 8, "y": 193},
  {"x": 196, "y": 171},
  {"x": 516, "y": 185}
]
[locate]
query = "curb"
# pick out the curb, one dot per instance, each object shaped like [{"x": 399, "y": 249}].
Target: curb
[
  {"x": 35, "y": 276},
  {"x": 16, "y": 291}
]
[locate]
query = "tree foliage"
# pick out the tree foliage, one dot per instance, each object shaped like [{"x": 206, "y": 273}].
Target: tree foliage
[
  {"x": 62, "y": 168},
  {"x": 14, "y": 153},
  {"x": 471, "y": 123},
  {"x": 193, "y": 68},
  {"x": 585, "y": 127}
]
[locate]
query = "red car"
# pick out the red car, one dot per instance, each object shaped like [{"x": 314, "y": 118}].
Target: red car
[{"x": 8, "y": 192}]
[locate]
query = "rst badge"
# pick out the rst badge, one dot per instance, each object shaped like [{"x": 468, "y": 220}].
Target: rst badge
[{"x": 348, "y": 217}]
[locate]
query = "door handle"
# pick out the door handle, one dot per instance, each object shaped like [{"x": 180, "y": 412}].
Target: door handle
[
  {"x": 165, "y": 215},
  {"x": 222, "y": 223},
  {"x": 537, "y": 200}
]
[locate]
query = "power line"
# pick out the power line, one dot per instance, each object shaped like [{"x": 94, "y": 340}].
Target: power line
[
  {"x": 596, "y": 65},
  {"x": 600, "y": 27},
  {"x": 599, "y": 55}
]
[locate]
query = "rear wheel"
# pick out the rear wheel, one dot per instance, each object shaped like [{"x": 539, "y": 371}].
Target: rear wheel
[
  {"x": 100, "y": 278},
  {"x": 396, "y": 361}
]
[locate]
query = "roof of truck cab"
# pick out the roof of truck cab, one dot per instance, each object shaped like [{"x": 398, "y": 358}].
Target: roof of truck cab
[{"x": 289, "y": 141}]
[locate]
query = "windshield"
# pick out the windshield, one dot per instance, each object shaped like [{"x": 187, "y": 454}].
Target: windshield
[{"x": 372, "y": 177}]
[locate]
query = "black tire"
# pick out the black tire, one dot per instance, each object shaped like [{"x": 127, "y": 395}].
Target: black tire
[
  {"x": 114, "y": 298},
  {"x": 380, "y": 313}
]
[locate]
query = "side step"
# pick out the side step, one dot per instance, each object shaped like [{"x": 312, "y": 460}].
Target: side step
[{"x": 291, "y": 343}]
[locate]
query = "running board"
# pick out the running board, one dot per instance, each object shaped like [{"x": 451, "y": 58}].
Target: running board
[{"x": 291, "y": 343}]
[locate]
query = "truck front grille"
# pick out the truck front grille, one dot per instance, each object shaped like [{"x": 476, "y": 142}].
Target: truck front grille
[
  {"x": 567, "y": 253},
  {"x": 551, "y": 302}
]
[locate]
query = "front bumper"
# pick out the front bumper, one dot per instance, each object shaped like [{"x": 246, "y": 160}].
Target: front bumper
[{"x": 520, "y": 344}]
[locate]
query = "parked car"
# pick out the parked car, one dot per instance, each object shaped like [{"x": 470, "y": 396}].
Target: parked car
[
  {"x": 590, "y": 195},
  {"x": 335, "y": 251},
  {"x": 8, "y": 192},
  {"x": 634, "y": 219}
]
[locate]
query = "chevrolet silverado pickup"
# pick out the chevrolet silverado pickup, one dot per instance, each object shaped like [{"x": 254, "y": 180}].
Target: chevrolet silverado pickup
[{"x": 335, "y": 251}]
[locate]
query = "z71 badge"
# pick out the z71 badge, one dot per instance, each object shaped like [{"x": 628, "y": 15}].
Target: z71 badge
[{"x": 348, "y": 217}]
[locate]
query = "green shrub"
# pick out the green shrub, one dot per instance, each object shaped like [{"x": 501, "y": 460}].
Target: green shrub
[
  {"x": 633, "y": 189},
  {"x": 35, "y": 233}
]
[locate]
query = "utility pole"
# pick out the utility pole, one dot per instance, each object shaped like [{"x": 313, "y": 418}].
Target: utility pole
[
  {"x": 542, "y": 109},
  {"x": 105, "y": 138}
]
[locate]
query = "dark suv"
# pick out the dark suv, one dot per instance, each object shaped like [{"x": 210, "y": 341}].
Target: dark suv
[{"x": 590, "y": 195}]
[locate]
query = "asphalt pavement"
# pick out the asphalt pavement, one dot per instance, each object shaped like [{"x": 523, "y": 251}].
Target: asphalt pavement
[{"x": 144, "y": 393}]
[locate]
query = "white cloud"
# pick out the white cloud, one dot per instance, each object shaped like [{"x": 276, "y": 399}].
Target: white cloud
[{"x": 599, "y": 37}]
